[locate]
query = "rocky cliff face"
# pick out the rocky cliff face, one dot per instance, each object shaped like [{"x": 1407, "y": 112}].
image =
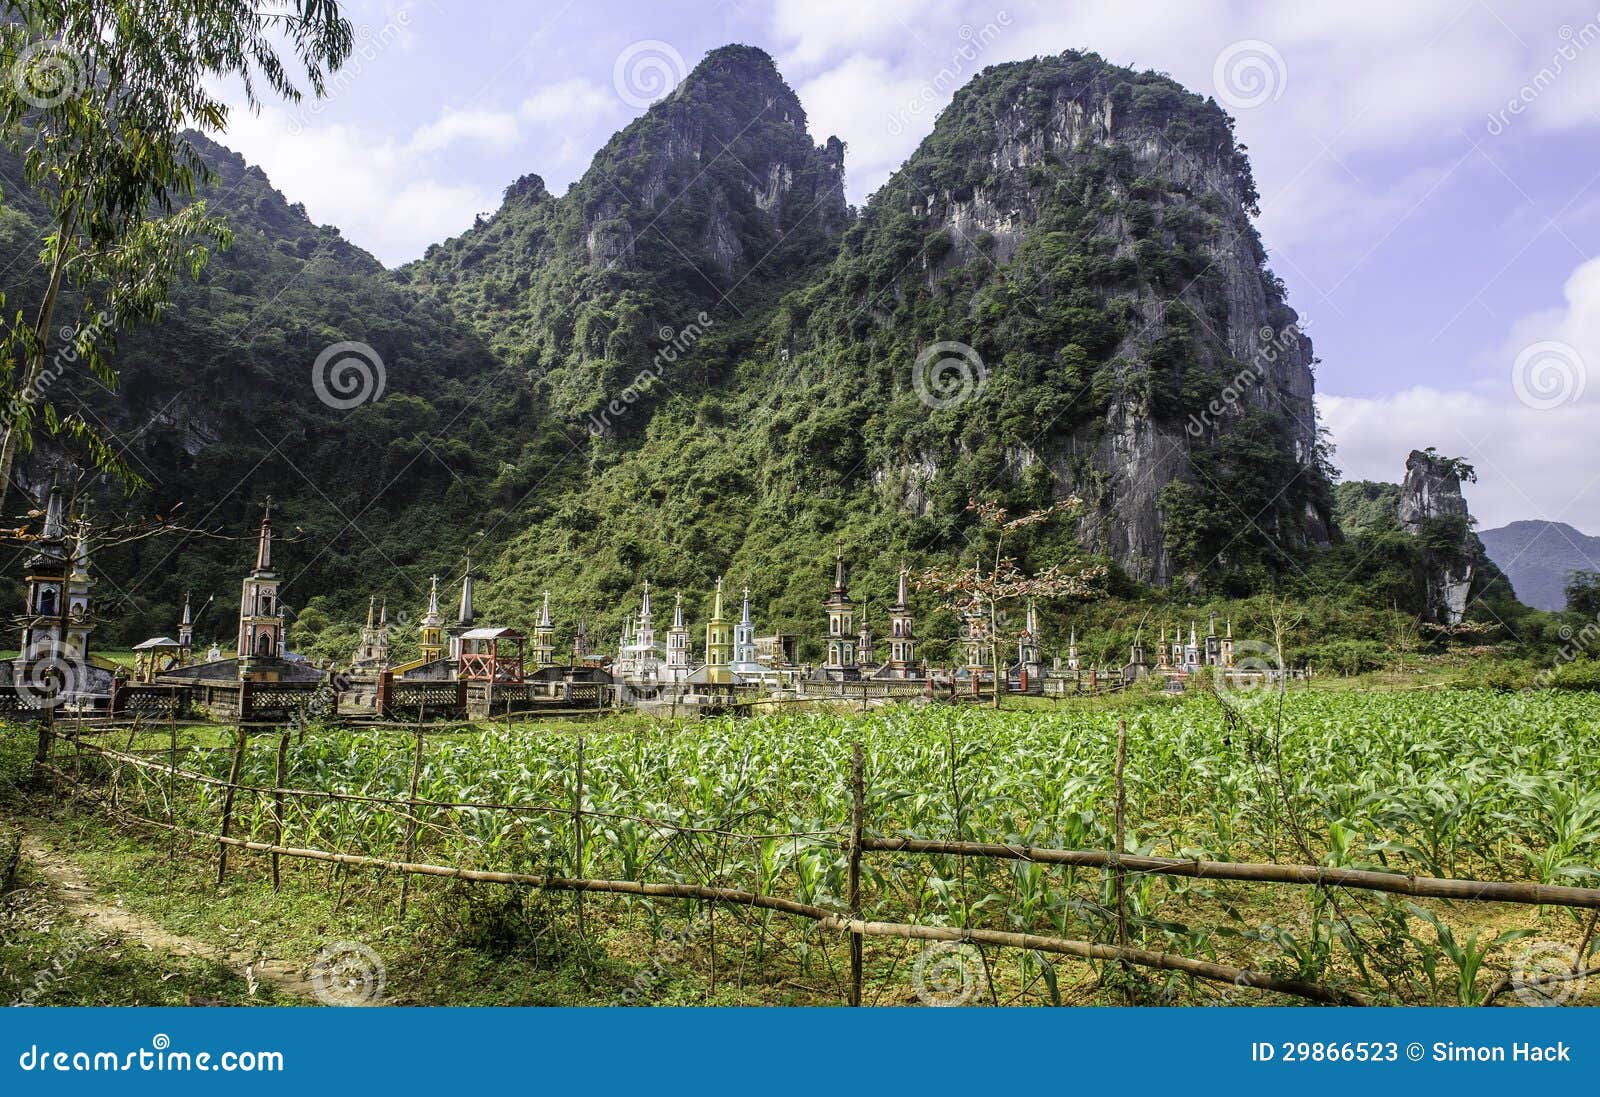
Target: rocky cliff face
[
  {"x": 1433, "y": 509},
  {"x": 1087, "y": 232}
]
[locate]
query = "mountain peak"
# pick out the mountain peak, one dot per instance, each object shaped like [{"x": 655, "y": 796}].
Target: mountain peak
[
  {"x": 1539, "y": 525},
  {"x": 739, "y": 60}
]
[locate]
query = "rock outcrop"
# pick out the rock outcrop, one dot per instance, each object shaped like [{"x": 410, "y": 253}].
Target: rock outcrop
[{"x": 1433, "y": 510}]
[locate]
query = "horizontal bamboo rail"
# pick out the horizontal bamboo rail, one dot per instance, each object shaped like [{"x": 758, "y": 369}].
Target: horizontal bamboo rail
[
  {"x": 827, "y": 919},
  {"x": 484, "y": 876},
  {"x": 1424, "y": 887},
  {"x": 1088, "y": 950}
]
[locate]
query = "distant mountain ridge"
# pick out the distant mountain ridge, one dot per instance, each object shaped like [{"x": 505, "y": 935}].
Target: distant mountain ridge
[{"x": 1539, "y": 556}]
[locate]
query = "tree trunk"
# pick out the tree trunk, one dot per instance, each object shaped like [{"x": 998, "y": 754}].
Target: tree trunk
[
  {"x": 994, "y": 649},
  {"x": 36, "y": 359}
]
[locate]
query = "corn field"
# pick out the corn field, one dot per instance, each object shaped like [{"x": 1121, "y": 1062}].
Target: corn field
[{"x": 1466, "y": 784}]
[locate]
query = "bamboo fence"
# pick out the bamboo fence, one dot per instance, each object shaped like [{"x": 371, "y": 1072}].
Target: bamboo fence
[{"x": 855, "y": 844}]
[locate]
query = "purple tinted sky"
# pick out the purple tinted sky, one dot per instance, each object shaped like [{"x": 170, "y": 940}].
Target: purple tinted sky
[{"x": 1437, "y": 244}]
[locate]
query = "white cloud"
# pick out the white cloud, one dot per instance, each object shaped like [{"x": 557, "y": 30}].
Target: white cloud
[
  {"x": 372, "y": 188},
  {"x": 821, "y": 29},
  {"x": 1575, "y": 324},
  {"x": 1358, "y": 79},
  {"x": 490, "y": 127},
  {"x": 871, "y": 107},
  {"x": 570, "y": 103}
]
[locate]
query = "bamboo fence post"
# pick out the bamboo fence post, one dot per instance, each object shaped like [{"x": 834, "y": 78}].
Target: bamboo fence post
[
  {"x": 172, "y": 787},
  {"x": 280, "y": 779},
  {"x": 411, "y": 820},
  {"x": 858, "y": 811},
  {"x": 577, "y": 832},
  {"x": 116, "y": 770},
  {"x": 227, "y": 801},
  {"x": 1120, "y": 876}
]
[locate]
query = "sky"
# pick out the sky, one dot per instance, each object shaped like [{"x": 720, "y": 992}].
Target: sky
[{"x": 1428, "y": 169}]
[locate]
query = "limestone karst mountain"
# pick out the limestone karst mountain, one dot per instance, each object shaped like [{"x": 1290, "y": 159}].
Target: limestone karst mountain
[{"x": 699, "y": 360}]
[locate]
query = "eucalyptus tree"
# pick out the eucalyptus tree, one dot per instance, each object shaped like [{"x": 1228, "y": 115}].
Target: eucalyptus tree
[{"x": 99, "y": 98}]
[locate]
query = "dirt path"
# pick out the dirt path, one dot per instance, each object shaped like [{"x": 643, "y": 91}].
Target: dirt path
[{"x": 83, "y": 904}]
